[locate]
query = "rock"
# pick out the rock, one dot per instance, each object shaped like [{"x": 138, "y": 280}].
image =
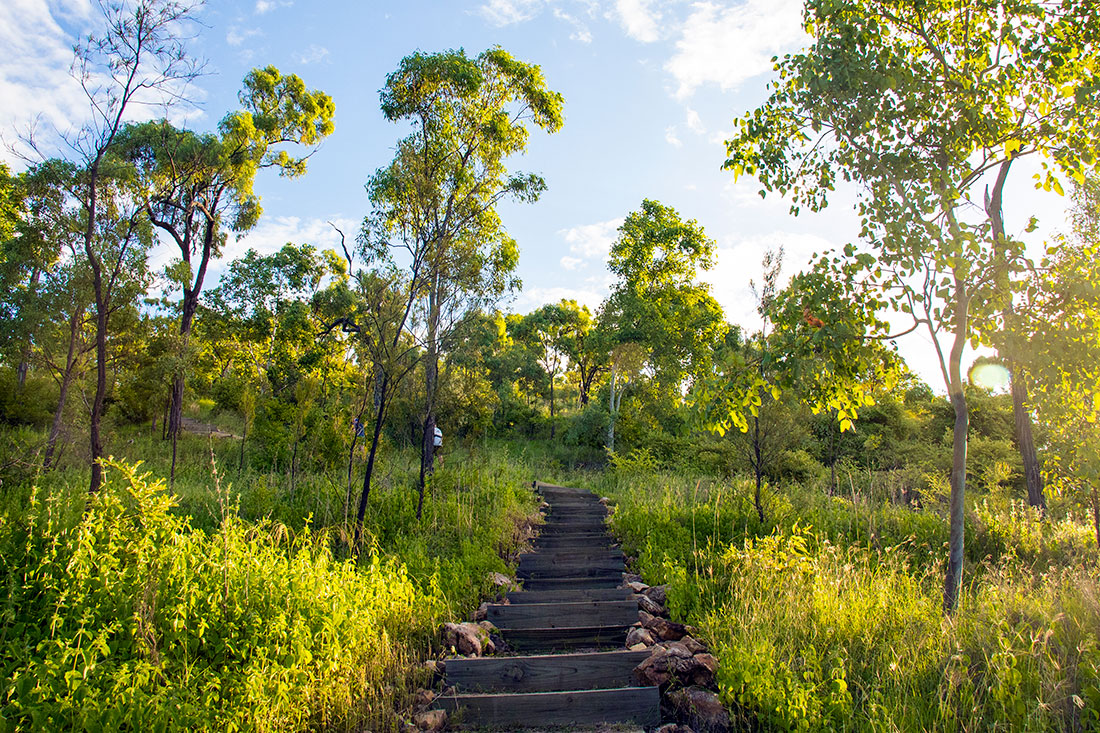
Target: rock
[
  {"x": 640, "y": 636},
  {"x": 637, "y": 586},
  {"x": 632, "y": 578},
  {"x": 482, "y": 612},
  {"x": 657, "y": 593},
  {"x": 431, "y": 720},
  {"x": 650, "y": 606},
  {"x": 654, "y": 669},
  {"x": 605, "y": 500},
  {"x": 663, "y": 628},
  {"x": 500, "y": 580},
  {"x": 422, "y": 699},
  {"x": 693, "y": 645},
  {"x": 704, "y": 668},
  {"x": 464, "y": 638},
  {"x": 487, "y": 626},
  {"x": 639, "y": 647},
  {"x": 677, "y": 649},
  {"x": 673, "y": 728},
  {"x": 700, "y": 709},
  {"x": 499, "y": 643},
  {"x": 437, "y": 668},
  {"x": 544, "y": 505}
]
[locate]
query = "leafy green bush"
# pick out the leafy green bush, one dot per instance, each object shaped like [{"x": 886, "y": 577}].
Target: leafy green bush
[{"x": 128, "y": 618}]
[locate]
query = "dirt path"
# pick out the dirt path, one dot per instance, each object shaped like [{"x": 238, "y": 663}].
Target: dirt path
[{"x": 201, "y": 428}]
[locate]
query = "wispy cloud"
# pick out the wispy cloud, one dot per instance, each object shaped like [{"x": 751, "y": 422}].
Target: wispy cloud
[
  {"x": 313, "y": 54},
  {"x": 237, "y": 36},
  {"x": 727, "y": 45},
  {"x": 580, "y": 32},
  {"x": 507, "y": 12},
  {"x": 695, "y": 122},
  {"x": 671, "y": 138},
  {"x": 591, "y": 241},
  {"x": 639, "y": 19},
  {"x": 266, "y": 6}
]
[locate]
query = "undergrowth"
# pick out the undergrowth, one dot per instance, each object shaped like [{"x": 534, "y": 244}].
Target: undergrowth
[{"x": 828, "y": 616}]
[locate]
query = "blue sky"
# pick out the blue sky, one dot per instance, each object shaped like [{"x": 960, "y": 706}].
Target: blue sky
[{"x": 651, "y": 90}]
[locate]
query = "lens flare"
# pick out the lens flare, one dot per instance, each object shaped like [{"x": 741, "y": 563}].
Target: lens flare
[{"x": 990, "y": 376}]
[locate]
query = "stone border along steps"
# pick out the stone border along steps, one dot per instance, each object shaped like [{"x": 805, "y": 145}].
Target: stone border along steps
[{"x": 572, "y": 609}]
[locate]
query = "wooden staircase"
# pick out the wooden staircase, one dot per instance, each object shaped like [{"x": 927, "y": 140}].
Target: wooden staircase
[{"x": 570, "y": 621}]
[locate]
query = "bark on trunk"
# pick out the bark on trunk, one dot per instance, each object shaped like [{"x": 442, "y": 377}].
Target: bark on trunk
[
  {"x": 431, "y": 377},
  {"x": 953, "y": 577},
  {"x": 66, "y": 382},
  {"x": 1025, "y": 441},
  {"x": 379, "y": 418},
  {"x": 552, "y": 426},
  {"x": 611, "y": 419}
]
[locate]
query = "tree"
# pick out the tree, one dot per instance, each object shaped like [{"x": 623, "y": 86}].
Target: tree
[
  {"x": 627, "y": 360},
  {"x": 585, "y": 349},
  {"x": 437, "y": 199},
  {"x": 139, "y": 55},
  {"x": 196, "y": 184},
  {"x": 921, "y": 104},
  {"x": 550, "y": 329},
  {"x": 657, "y": 301}
]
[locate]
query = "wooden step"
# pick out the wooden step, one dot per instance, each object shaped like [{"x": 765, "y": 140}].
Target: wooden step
[
  {"x": 592, "y": 526},
  {"x": 608, "y": 581},
  {"x": 639, "y": 705},
  {"x": 586, "y": 541},
  {"x": 566, "y": 637},
  {"x": 582, "y": 553},
  {"x": 570, "y": 596},
  {"x": 538, "y": 569},
  {"x": 555, "y": 615},
  {"x": 544, "y": 673}
]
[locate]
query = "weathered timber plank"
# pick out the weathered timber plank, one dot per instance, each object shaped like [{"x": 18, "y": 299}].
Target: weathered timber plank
[
  {"x": 566, "y": 637},
  {"x": 580, "y": 553},
  {"x": 570, "y": 596},
  {"x": 639, "y": 705},
  {"x": 556, "y": 615},
  {"x": 544, "y": 673},
  {"x": 572, "y": 583},
  {"x": 534, "y": 569},
  {"x": 573, "y": 525}
]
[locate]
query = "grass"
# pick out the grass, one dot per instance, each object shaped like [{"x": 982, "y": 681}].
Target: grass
[
  {"x": 222, "y": 604},
  {"x": 827, "y": 616}
]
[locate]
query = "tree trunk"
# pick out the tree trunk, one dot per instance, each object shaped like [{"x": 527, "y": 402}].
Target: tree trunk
[
  {"x": 611, "y": 419},
  {"x": 1025, "y": 441},
  {"x": 552, "y": 426},
  {"x": 244, "y": 439},
  {"x": 379, "y": 418},
  {"x": 175, "y": 412},
  {"x": 431, "y": 376},
  {"x": 66, "y": 381},
  {"x": 953, "y": 577},
  {"x": 757, "y": 468}
]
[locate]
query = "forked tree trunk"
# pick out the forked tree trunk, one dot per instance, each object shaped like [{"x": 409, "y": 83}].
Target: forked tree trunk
[{"x": 66, "y": 382}]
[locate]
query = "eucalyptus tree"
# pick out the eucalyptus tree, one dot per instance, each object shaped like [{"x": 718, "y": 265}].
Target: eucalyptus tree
[
  {"x": 437, "y": 201},
  {"x": 657, "y": 300},
  {"x": 924, "y": 105},
  {"x": 548, "y": 330},
  {"x": 139, "y": 56},
  {"x": 199, "y": 185},
  {"x": 584, "y": 347}
]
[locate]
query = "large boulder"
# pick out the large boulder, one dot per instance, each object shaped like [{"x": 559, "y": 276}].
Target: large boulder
[
  {"x": 663, "y": 628},
  {"x": 431, "y": 720},
  {"x": 651, "y": 607},
  {"x": 657, "y": 593}
]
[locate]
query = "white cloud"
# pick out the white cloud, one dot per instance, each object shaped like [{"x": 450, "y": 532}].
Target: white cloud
[
  {"x": 671, "y": 138},
  {"x": 507, "y": 12},
  {"x": 236, "y": 36},
  {"x": 591, "y": 241},
  {"x": 580, "y": 33},
  {"x": 694, "y": 122},
  {"x": 639, "y": 20},
  {"x": 313, "y": 54},
  {"x": 728, "y": 45},
  {"x": 738, "y": 262},
  {"x": 35, "y": 83},
  {"x": 266, "y": 6},
  {"x": 571, "y": 263}
]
